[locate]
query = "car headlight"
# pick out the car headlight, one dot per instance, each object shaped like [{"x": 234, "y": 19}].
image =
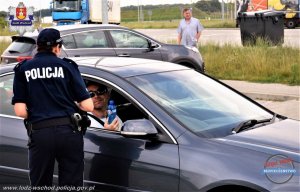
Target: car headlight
[{"x": 193, "y": 49}]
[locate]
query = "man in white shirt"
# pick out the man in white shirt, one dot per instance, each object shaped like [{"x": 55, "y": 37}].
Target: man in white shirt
[
  {"x": 100, "y": 96},
  {"x": 189, "y": 29}
]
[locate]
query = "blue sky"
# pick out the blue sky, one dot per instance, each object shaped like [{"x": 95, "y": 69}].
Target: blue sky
[{"x": 44, "y": 4}]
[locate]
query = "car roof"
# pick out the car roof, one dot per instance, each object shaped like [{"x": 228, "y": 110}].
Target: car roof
[
  {"x": 128, "y": 67},
  {"x": 83, "y": 26},
  {"x": 123, "y": 67},
  {"x": 65, "y": 29}
]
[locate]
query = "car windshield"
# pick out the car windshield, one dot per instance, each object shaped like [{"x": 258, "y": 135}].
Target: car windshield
[
  {"x": 21, "y": 45},
  {"x": 201, "y": 104},
  {"x": 66, "y": 5}
]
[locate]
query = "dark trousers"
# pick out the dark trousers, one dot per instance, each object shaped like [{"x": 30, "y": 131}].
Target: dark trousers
[{"x": 58, "y": 143}]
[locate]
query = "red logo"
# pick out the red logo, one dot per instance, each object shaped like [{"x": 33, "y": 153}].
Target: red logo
[{"x": 21, "y": 13}]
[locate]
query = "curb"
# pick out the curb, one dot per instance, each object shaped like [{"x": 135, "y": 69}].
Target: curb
[
  {"x": 267, "y": 92},
  {"x": 273, "y": 97}
]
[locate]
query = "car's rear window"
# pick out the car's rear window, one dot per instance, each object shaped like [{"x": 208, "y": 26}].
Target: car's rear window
[{"x": 21, "y": 45}]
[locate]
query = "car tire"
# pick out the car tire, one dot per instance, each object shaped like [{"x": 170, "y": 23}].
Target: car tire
[{"x": 291, "y": 24}]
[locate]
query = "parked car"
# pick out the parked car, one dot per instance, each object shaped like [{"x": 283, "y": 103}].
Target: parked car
[
  {"x": 183, "y": 131},
  {"x": 106, "y": 40}
]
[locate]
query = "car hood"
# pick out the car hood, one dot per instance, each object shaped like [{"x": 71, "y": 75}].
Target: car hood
[{"x": 281, "y": 137}]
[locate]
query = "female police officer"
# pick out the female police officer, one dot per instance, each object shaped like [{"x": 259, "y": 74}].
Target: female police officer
[{"x": 45, "y": 90}]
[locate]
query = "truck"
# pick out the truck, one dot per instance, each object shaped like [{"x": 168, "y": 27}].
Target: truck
[
  {"x": 68, "y": 12},
  {"x": 291, "y": 9}
]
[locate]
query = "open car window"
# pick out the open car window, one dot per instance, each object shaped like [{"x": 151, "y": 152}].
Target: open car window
[{"x": 126, "y": 110}]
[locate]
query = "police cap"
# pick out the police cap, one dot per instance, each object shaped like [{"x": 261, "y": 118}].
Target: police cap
[{"x": 49, "y": 37}]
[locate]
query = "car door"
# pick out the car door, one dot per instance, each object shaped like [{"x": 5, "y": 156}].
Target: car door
[
  {"x": 13, "y": 138},
  {"x": 88, "y": 43},
  {"x": 112, "y": 161},
  {"x": 130, "y": 44},
  {"x": 117, "y": 163}
]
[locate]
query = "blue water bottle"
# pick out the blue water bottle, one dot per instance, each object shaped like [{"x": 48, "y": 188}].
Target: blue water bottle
[{"x": 111, "y": 111}]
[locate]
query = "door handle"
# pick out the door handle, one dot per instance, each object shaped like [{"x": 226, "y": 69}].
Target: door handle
[
  {"x": 124, "y": 55},
  {"x": 76, "y": 55}
]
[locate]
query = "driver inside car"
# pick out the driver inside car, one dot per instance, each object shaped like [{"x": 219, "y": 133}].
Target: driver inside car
[{"x": 100, "y": 96}]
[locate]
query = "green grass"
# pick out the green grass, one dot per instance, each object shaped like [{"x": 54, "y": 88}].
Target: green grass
[
  {"x": 6, "y": 32},
  {"x": 167, "y": 12},
  {"x": 168, "y": 16},
  {"x": 174, "y": 24},
  {"x": 218, "y": 23},
  {"x": 3, "y": 46},
  {"x": 162, "y": 13},
  {"x": 260, "y": 63}
]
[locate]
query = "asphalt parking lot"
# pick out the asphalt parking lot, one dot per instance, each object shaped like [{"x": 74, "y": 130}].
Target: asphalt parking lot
[{"x": 220, "y": 36}]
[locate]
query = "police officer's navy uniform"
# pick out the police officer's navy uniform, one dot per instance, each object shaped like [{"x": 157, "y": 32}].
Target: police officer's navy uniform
[{"x": 49, "y": 86}]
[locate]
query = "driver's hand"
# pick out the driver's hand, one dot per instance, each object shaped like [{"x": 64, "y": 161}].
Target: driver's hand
[{"x": 113, "y": 126}]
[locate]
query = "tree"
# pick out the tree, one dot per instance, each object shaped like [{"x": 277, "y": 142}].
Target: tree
[
  {"x": 3, "y": 14},
  {"x": 3, "y": 23},
  {"x": 209, "y": 6}
]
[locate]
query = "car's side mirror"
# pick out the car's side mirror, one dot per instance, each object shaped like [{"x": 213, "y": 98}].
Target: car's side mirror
[
  {"x": 152, "y": 45},
  {"x": 139, "y": 128}
]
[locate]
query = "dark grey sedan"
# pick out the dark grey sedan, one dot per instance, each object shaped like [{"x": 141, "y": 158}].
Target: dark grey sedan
[
  {"x": 183, "y": 131},
  {"x": 106, "y": 40}
]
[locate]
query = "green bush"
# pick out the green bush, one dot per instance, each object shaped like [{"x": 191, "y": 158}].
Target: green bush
[{"x": 209, "y": 6}]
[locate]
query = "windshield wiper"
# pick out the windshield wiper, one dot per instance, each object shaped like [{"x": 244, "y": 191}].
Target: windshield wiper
[{"x": 250, "y": 123}]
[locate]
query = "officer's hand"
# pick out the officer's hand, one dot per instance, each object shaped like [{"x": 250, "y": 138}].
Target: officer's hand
[{"x": 113, "y": 126}]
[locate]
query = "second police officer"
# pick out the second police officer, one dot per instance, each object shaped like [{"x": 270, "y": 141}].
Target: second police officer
[{"x": 48, "y": 91}]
